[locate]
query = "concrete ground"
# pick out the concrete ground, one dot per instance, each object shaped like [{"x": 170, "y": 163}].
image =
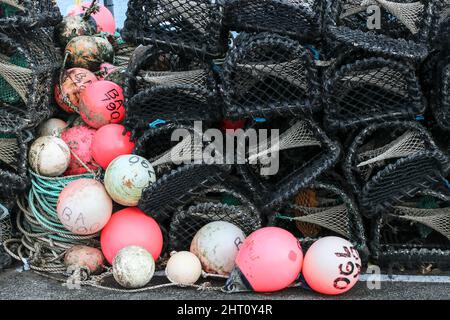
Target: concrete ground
[{"x": 29, "y": 285}]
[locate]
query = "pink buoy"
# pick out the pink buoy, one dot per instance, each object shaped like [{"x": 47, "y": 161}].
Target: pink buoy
[
  {"x": 103, "y": 19},
  {"x": 105, "y": 70},
  {"x": 331, "y": 266},
  {"x": 84, "y": 206},
  {"x": 101, "y": 103},
  {"x": 269, "y": 259},
  {"x": 79, "y": 139}
]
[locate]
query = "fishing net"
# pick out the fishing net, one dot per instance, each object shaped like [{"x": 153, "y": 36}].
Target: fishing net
[
  {"x": 13, "y": 162},
  {"x": 191, "y": 26},
  {"x": 24, "y": 15},
  {"x": 441, "y": 105},
  {"x": 295, "y": 18},
  {"x": 388, "y": 162},
  {"x": 269, "y": 75},
  {"x": 28, "y": 65},
  {"x": 371, "y": 90},
  {"x": 162, "y": 198},
  {"x": 209, "y": 206},
  {"x": 302, "y": 152},
  {"x": 322, "y": 210},
  {"x": 415, "y": 233},
  {"x": 149, "y": 60},
  {"x": 412, "y": 23}
]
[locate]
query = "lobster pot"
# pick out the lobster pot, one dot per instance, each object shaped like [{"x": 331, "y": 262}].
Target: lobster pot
[
  {"x": 164, "y": 153},
  {"x": 279, "y": 167},
  {"x": 296, "y": 18},
  {"x": 388, "y": 162},
  {"x": 268, "y": 75},
  {"x": 5, "y": 234},
  {"x": 174, "y": 189},
  {"x": 371, "y": 90},
  {"x": 13, "y": 162},
  {"x": 405, "y": 28},
  {"x": 414, "y": 233},
  {"x": 322, "y": 210},
  {"x": 149, "y": 61},
  {"x": 191, "y": 26},
  {"x": 28, "y": 65},
  {"x": 25, "y": 15},
  {"x": 208, "y": 207},
  {"x": 441, "y": 105}
]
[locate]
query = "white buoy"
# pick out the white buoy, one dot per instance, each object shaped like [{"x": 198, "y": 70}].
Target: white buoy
[
  {"x": 133, "y": 267},
  {"x": 84, "y": 206},
  {"x": 49, "y": 156},
  {"x": 126, "y": 177},
  {"x": 52, "y": 127},
  {"x": 183, "y": 268},
  {"x": 216, "y": 245}
]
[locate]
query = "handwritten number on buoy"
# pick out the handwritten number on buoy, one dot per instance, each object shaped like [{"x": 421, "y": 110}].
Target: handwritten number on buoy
[
  {"x": 348, "y": 269},
  {"x": 113, "y": 105},
  {"x": 144, "y": 163}
]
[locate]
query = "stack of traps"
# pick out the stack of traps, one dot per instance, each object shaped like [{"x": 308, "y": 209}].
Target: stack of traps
[
  {"x": 389, "y": 162},
  {"x": 25, "y": 15},
  {"x": 28, "y": 65}
]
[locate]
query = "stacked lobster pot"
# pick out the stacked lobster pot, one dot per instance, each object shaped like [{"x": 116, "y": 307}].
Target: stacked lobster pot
[{"x": 29, "y": 62}]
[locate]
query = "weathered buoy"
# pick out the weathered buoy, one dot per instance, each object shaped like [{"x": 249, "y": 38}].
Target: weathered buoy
[
  {"x": 74, "y": 81},
  {"x": 49, "y": 156},
  {"x": 126, "y": 177},
  {"x": 103, "y": 20},
  {"x": 109, "y": 142},
  {"x": 105, "y": 70},
  {"x": 128, "y": 227},
  {"x": 80, "y": 256},
  {"x": 101, "y": 103},
  {"x": 52, "y": 127},
  {"x": 332, "y": 266},
  {"x": 79, "y": 139},
  {"x": 133, "y": 267},
  {"x": 270, "y": 259},
  {"x": 84, "y": 206},
  {"x": 216, "y": 245},
  {"x": 71, "y": 27},
  {"x": 89, "y": 52},
  {"x": 183, "y": 268}
]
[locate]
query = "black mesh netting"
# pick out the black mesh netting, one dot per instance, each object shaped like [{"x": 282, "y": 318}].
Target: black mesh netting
[
  {"x": 388, "y": 162},
  {"x": 304, "y": 152},
  {"x": 162, "y": 198},
  {"x": 269, "y": 75},
  {"x": 211, "y": 205},
  {"x": 441, "y": 102},
  {"x": 28, "y": 65},
  {"x": 414, "y": 233},
  {"x": 355, "y": 23},
  {"x": 296, "y": 18},
  {"x": 5, "y": 233},
  {"x": 24, "y": 15},
  {"x": 321, "y": 210},
  {"x": 370, "y": 90},
  {"x": 192, "y": 26},
  {"x": 13, "y": 162}
]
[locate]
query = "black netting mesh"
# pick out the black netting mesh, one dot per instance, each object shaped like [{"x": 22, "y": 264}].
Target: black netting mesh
[
  {"x": 296, "y": 18},
  {"x": 24, "y": 15},
  {"x": 13, "y": 162},
  {"x": 5, "y": 232},
  {"x": 399, "y": 19},
  {"x": 371, "y": 90},
  {"x": 209, "y": 206},
  {"x": 441, "y": 103},
  {"x": 28, "y": 65},
  {"x": 162, "y": 198},
  {"x": 305, "y": 152},
  {"x": 269, "y": 75},
  {"x": 388, "y": 162},
  {"x": 415, "y": 233},
  {"x": 322, "y": 210},
  {"x": 193, "y": 26}
]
